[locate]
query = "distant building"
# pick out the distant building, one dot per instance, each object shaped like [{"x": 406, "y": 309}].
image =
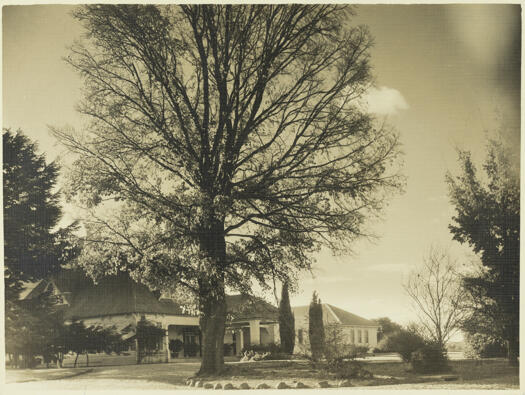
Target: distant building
[{"x": 355, "y": 330}]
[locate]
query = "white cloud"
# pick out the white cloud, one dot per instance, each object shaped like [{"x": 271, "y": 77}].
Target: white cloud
[{"x": 384, "y": 101}]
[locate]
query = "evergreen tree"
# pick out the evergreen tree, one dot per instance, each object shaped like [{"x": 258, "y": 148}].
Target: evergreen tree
[
  {"x": 286, "y": 321},
  {"x": 32, "y": 246},
  {"x": 316, "y": 327},
  {"x": 488, "y": 219}
]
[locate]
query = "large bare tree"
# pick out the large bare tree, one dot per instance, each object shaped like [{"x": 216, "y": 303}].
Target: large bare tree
[
  {"x": 438, "y": 295},
  {"x": 234, "y": 141}
]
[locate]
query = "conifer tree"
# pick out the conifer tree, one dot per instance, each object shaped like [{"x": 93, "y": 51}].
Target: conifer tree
[
  {"x": 286, "y": 321},
  {"x": 316, "y": 327}
]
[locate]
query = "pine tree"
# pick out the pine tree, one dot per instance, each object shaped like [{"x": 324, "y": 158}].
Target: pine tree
[
  {"x": 32, "y": 246},
  {"x": 316, "y": 327},
  {"x": 286, "y": 322}
]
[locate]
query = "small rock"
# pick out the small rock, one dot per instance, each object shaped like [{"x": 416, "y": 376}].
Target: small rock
[
  {"x": 300, "y": 385},
  {"x": 345, "y": 383},
  {"x": 228, "y": 386},
  {"x": 208, "y": 386},
  {"x": 282, "y": 385},
  {"x": 218, "y": 386},
  {"x": 198, "y": 383},
  {"x": 323, "y": 384},
  {"x": 189, "y": 382},
  {"x": 244, "y": 386},
  {"x": 262, "y": 386}
]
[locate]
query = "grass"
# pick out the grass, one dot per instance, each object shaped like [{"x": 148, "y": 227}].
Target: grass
[
  {"x": 469, "y": 372},
  {"x": 485, "y": 374}
]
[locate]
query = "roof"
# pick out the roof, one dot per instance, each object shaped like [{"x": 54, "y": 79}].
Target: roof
[
  {"x": 116, "y": 295},
  {"x": 245, "y": 307},
  {"x": 331, "y": 315}
]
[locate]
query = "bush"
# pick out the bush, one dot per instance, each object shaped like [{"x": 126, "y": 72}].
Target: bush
[
  {"x": 484, "y": 346},
  {"x": 404, "y": 342},
  {"x": 354, "y": 351},
  {"x": 191, "y": 350},
  {"x": 176, "y": 346},
  {"x": 344, "y": 369},
  {"x": 431, "y": 358}
]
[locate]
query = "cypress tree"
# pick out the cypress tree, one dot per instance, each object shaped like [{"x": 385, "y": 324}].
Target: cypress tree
[
  {"x": 286, "y": 322},
  {"x": 316, "y": 328}
]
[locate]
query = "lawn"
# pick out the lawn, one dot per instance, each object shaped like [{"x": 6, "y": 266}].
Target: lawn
[{"x": 487, "y": 374}]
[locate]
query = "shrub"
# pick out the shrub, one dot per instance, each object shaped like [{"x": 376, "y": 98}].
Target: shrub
[
  {"x": 344, "y": 369},
  {"x": 431, "y": 358},
  {"x": 176, "y": 346},
  {"x": 404, "y": 342},
  {"x": 484, "y": 346},
  {"x": 191, "y": 350},
  {"x": 335, "y": 344},
  {"x": 356, "y": 351}
]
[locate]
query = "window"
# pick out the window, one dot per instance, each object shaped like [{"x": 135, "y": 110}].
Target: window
[
  {"x": 359, "y": 337},
  {"x": 300, "y": 336},
  {"x": 366, "y": 336},
  {"x": 352, "y": 336}
]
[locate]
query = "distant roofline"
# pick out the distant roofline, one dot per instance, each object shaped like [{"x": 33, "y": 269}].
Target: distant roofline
[{"x": 329, "y": 307}]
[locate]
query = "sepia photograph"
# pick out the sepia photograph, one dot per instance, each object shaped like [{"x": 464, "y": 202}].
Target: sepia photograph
[{"x": 315, "y": 196}]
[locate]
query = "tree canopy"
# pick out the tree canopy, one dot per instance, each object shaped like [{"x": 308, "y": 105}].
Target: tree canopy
[
  {"x": 488, "y": 219},
  {"x": 31, "y": 208},
  {"x": 233, "y": 140},
  {"x": 33, "y": 246}
]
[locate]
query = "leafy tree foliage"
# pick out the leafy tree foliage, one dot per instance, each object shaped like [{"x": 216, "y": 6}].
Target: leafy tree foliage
[
  {"x": 82, "y": 339},
  {"x": 32, "y": 246},
  {"x": 480, "y": 345},
  {"x": 386, "y": 327},
  {"x": 31, "y": 210},
  {"x": 316, "y": 333},
  {"x": 286, "y": 322},
  {"x": 488, "y": 219},
  {"x": 33, "y": 328},
  {"x": 233, "y": 139}
]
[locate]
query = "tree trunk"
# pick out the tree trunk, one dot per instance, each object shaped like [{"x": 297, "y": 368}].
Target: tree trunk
[
  {"x": 76, "y": 358},
  {"x": 87, "y": 359},
  {"x": 212, "y": 324},
  {"x": 212, "y": 299}
]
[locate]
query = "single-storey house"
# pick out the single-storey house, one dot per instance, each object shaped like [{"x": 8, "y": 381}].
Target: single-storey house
[
  {"x": 354, "y": 329},
  {"x": 121, "y": 302}
]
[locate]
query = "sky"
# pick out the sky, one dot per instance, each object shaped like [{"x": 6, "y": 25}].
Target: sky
[{"x": 445, "y": 76}]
